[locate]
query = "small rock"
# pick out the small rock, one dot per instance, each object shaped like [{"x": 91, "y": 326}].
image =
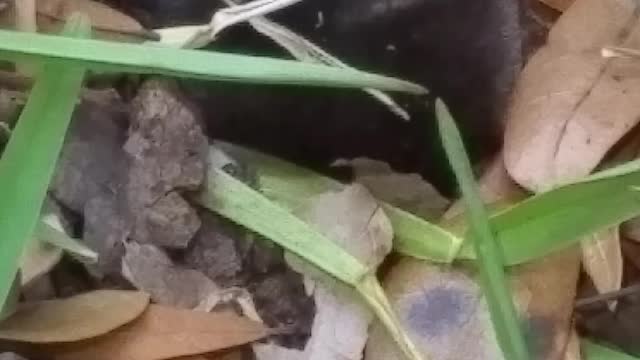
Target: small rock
[
  {"x": 281, "y": 301},
  {"x": 215, "y": 251},
  {"x": 170, "y": 222},
  {"x": 167, "y": 152},
  {"x": 105, "y": 231},
  {"x": 94, "y": 140}
]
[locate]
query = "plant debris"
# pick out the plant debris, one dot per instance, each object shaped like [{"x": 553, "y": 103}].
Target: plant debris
[
  {"x": 77, "y": 318},
  {"x": 164, "y": 333}
]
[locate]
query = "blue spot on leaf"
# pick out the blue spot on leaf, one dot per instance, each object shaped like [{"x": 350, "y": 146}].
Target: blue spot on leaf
[{"x": 440, "y": 310}]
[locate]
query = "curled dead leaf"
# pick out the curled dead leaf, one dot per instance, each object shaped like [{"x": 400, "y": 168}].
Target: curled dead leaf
[
  {"x": 164, "y": 333},
  {"x": 571, "y": 105},
  {"x": 72, "y": 319}
]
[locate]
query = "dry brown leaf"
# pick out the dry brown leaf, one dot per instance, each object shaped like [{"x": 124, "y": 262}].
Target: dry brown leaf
[
  {"x": 409, "y": 192},
  {"x": 445, "y": 313},
  {"x": 76, "y": 318},
  {"x": 108, "y": 22},
  {"x": 560, "y": 5},
  {"x": 164, "y": 333},
  {"x": 571, "y": 105},
  {"x": 602, "y": 259}
]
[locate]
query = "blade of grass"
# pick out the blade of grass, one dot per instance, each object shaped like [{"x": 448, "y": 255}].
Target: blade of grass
[
  {"x": 563, "y": 216},
  {"x": 489, "y": 255},
  {"x": 291, "y": 186},
  {"x": 205, "y": 65},
  {"x": 594, "y": 351},
  {"x": 240, "y": 203},
  {"x": 29, "y": 158},
  {"x": 525, "y": 231}
]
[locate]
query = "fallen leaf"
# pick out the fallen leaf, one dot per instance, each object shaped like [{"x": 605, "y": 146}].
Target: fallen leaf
[
  {"x": 50, "y": 15},
  {"x": 602, "y": 259},
  {"x": 76, "y": 318},
  {"x": 560, "y": 5},
  {"x": 446, "y": 315},
  {"x": 164, "y": 333},
  {"x": 409, "y": 192},
  {"x": 107, "y": 21},
  {"x": 571, "y": 105},
  {"x": 149, "y": 269},
  {"x": 353, "y": 219}
]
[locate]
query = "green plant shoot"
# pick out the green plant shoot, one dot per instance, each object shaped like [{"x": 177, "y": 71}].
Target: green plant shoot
[
  {"x": 29, "y": 158},
  {"x": 206, "y": 65},
  {"x": 490, "y": 262}
]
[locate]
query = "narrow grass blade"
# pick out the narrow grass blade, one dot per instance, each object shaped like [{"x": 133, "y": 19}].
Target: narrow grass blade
[
  {"x": 290, "y": 186},
  {"x": 29, "y": 158},
  {"x": 489, "y": 256},
  {"x": 563, "y": 216},
  {"x": 237, "y": 201},
  {"x": 206, "y": 65},
  {"x": 594, "y": 351}
]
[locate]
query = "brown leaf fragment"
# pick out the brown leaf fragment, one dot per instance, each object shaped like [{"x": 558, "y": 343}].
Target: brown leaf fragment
[
  {"x": 602, "y": 259},
  {"x": 72, "y": 319},
  {"x": 560, "y": 5},
  {"x": 164, "y": 333},
  {"x": 108, "y": 22},
  {"x": 571, "y": 105}
]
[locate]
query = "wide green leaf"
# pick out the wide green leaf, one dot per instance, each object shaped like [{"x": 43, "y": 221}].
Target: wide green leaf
[
  {"x": 198, "y": 64},
  {"x": 29, "y": 158}
]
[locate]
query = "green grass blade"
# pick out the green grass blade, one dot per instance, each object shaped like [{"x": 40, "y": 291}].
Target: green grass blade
[
  {"x": 525, "y": 231},
  {"x": 291, "y": 186},
  {"x": 237, "y": 201},
  {"x": 206, "y": 65},
  {"x": 563, "y": 216},
  {"x": 594, "y": 351},
  {"x": 29, "y": 158},
  {"x": 489, "y": 256}
]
